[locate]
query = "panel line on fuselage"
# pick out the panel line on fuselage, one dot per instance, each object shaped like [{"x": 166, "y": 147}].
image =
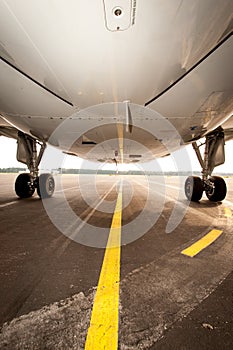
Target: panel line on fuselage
[
  {"x": 36, "y": 82},
  {"x": 190, "y": 70}
]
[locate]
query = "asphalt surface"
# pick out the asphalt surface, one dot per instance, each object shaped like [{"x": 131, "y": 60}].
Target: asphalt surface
[{"x": 51, "y": 256}]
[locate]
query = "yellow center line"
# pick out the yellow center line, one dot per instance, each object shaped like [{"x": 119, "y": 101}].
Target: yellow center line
[
  {"x": 120, "y": 132},
  {"x": 227, "y": 212},
  {"x": 103, "y": 329},
  {"x": 204, "y": 242}
]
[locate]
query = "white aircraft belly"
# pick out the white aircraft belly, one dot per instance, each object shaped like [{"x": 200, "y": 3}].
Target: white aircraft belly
[{"x": 70, "y": 48}]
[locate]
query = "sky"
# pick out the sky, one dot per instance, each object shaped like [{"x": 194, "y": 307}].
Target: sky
[{"x": 8, "y": 159}]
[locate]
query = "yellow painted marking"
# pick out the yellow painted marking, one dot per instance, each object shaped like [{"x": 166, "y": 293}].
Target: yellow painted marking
[
  {"x": 227, "y": 212},
  {"x": 103, "y": 331},
  {"x": 204, "y": 242},
  {"x": 120, "y": 140}
]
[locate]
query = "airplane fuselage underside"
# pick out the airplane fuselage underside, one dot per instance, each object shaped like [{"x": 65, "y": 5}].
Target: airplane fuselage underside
[
  {"x": 172, "y": 60},
  {"x": 117, "y": 81}
]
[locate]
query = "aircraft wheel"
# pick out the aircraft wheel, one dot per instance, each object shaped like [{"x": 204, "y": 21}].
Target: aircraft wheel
[
  {"x": 217, "y": 190},
  {"x": 23, "y": 186},
  {"x": 193, "y": 188},
  {"x": 46, "y": 185}
]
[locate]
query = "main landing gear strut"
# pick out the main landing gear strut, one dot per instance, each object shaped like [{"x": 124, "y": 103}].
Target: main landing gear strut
[
  {"x": 214, "y": 186},
  {"x": 26, "y": 183}
]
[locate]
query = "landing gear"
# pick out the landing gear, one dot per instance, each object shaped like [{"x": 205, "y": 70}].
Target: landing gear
[
  {"x": 46, "y": 186},
  {"x": 26, "y": 183},
  {"x": 214, "y": 186},
  {"x": 193, "y": 188},
  {"x": 24, "y": 187},
  {"x": 216, "y": 190}
]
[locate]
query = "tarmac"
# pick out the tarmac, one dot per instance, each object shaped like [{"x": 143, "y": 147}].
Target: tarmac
[{"x": 53, "y": 253}]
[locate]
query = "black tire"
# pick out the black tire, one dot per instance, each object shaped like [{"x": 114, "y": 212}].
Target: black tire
[
  {"x": 46, "y": 186},
  {"x": 23, "y": 186},
  {"x": 217, "y": 192},
  {"x": 193, "y": 188}
]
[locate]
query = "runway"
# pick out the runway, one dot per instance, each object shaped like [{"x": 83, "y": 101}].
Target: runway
[{"x": 53, "y": 253}]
